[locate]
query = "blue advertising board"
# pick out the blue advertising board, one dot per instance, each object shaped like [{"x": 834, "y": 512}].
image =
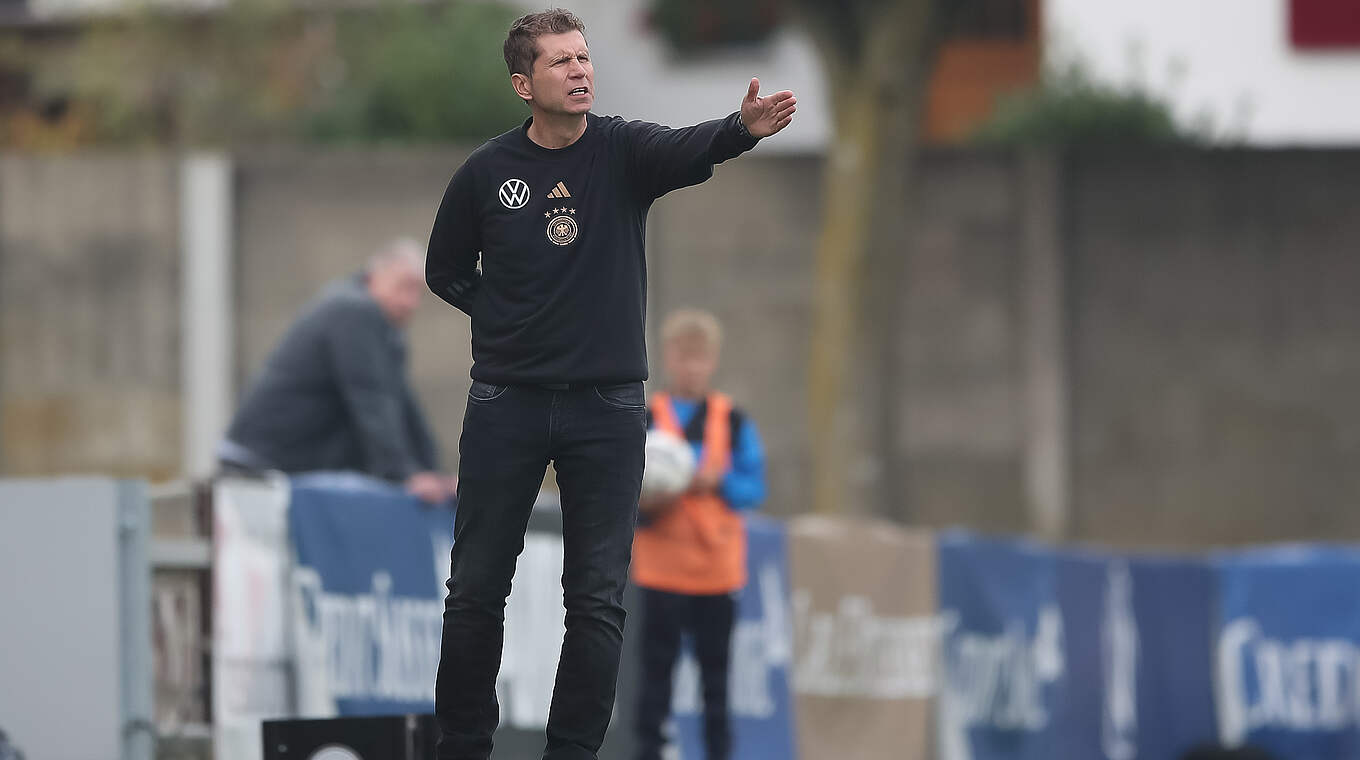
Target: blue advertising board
[
  {"x": 1173, "y": 604},
  {"x": 368, "y": 595},
  {"x": 1082, "y": 700},
  {"x": 1003, "y": 659},
  {"x": 1044, "y": 653},
  {"x": 1287, "y": 651},
  {"x": 1136, "y": 635}
]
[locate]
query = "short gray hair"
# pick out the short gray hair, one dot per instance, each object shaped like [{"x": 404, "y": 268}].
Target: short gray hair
[
  {"x": 521, "y": 43},
  {"x": 402, "y": 250}
]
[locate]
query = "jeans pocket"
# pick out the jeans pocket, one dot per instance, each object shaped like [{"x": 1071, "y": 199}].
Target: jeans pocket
[
  {"x": 622, "y": 396},
  {"x": 480, "y": 391}
]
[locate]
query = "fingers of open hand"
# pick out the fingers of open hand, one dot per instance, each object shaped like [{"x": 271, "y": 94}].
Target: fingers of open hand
[
  {"x": 781, "y": 119},
  {"x": 776, "y": 108}
]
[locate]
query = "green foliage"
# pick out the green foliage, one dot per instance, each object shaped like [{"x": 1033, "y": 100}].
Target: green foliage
[
  {"x": 1069, "y": 108},
  {"x": 419, "y": 73},
  {"x": 151, "y": 76},
  {"x": 264, "y": 71}
]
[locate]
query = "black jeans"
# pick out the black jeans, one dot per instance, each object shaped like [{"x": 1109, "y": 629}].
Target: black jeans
[
  {"x": 594, "y": 437},
  {"x": 709, "y": 620}
]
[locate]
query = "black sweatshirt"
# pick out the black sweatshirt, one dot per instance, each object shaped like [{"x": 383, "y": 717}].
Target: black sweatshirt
[{"x": 562, "y": 292}]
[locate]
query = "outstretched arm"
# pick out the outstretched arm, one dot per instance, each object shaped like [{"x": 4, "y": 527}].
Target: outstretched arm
[{"x": 661, "y": 159}]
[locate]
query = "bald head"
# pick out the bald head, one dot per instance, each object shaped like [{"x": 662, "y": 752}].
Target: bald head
[{"x": 396, "y": 279}]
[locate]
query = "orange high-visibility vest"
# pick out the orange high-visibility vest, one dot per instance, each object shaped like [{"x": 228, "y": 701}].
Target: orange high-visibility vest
[{"x": 698, "y": 547}]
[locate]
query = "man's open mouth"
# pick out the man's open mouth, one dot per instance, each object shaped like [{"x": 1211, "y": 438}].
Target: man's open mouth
[{"x": 578, "y": 91}]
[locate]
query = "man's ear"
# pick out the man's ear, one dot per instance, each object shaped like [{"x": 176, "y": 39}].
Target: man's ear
[{"x": 521, "y": 84}]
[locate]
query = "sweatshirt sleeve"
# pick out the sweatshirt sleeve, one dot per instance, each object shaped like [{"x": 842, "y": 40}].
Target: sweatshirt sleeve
[
  {"x": 455, "y": 244},
  {"x": 661, "y": 159},
  {"x": 744, "y": 485}
]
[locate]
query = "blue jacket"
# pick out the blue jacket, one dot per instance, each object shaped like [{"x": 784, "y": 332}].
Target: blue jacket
[{"x": 743, "y": 486}]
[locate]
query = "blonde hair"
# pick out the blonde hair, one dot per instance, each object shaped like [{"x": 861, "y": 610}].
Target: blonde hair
[{"x": 690, "y": 324}]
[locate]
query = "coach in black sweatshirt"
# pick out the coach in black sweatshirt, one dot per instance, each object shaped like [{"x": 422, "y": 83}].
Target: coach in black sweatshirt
[{"x": 555, "y": 213}]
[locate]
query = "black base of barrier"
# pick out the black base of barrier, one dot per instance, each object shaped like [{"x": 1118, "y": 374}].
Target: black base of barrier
[{"x": 389, "y": 737}]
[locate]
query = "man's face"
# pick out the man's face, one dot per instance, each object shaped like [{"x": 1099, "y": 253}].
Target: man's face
[
  {"x": 563, "y": 80},
  {"x": 690, "y": 363},
  {"x": 398, "y": 289}
]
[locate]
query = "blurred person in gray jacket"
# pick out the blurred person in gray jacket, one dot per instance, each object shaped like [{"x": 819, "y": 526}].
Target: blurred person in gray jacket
[
  {"x": 334, "y": 394},
  {"x": 8, "y": 751}
]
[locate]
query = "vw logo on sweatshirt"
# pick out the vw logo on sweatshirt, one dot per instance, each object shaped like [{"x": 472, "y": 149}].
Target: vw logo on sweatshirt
[{"x": 514, "y": 193}]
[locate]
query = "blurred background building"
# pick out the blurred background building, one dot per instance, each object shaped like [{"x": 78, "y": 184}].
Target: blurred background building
[
  {"x": 1265, "y": 73},
  {"x": 1080, "y": 269},
  {"x": 1120, "y": 311}
]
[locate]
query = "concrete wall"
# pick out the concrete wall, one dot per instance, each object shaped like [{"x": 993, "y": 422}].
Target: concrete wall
[
  {"x": 957, "y": 455},
  {"x": 750, "y": 263},
  {"x": 1215, "y": 346},
  {"x": 89, "y": 315},
  {"x": 1163, "y": 341},
  {"x": 959, "y": 419}
]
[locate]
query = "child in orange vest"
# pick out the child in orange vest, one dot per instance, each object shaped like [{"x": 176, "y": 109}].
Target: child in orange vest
[{"x": 689, "y": 554}]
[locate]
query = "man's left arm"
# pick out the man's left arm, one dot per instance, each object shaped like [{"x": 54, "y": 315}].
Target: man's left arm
[
  {"x": 372, "y": 387},
  {"x": 424, "y": 448},
  {"x": 662, "y": 159},
  {"x": 743, "y": 487}
]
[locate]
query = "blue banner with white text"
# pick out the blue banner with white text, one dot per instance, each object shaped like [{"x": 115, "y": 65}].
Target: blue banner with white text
[
  {"x": 1002, "y": 650},
  {"x": 1087, "y": 593},
  {"x": 1043, "y": 653},
  {"x": 368, "y": 590},
  {"x": 1135, "y": 635},
  {"x": 1287, "y": 651},
  {"x": 1087, "y": 655}
]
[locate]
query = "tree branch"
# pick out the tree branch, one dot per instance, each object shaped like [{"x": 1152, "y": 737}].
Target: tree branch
[{"x": 834, "y": 27}]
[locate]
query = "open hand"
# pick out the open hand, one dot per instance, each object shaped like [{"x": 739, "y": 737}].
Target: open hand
[{"x": 765, "y": 116}]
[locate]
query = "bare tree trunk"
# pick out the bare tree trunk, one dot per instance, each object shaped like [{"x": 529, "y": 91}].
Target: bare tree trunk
[
  {"x": 877, "y": 91},
  {"x": 847, "y": 214}
]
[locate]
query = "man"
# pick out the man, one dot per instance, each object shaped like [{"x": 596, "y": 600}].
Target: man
[
  {"x": 689, "y": 557},
  {"x": 8, "y": 751},
  {"x": 334, "y": 395},
  {"x": 557, "y": 209}
]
